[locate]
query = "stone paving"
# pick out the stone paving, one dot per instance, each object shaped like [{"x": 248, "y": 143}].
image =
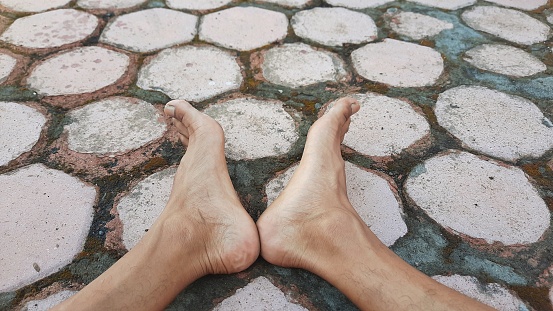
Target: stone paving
[{"x": 449, "y": 161}]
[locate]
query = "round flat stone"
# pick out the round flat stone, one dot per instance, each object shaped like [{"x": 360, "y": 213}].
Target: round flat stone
[
  {"x": 150, "y": 30},
  {"x": 21, "y": 126},
  {"x": 46, "y": 216},
  {"x": 139, "y": 209},
  {"x": 501, "y": 125},
  {"x": 7, "y": 64},
  {"x": 511, "y": 25},
  {"x": 297, "y": 64},
  {"x": 50, "y": 301},
  {"x": 446, "y": 5},
  {"x": 254, "y": 128},
  {"x": 395, "y": 63},
  {"x": 50, "y": 29},
  {"x": 109, "y": 4},
  {"x": 243, "y": 28},
  {"x": 191, "y": 73},
  {"x": 334, "y": 26},
  {"x": 114, "y": 125},
  {"x": 288, "y": 3},
  {"x": 504, "y": 59},
  {"x": 527, "y": 5},
  {"x": 33, "y": 5},
  {"x": 77, "y": 71},
  {"x": 478, "y": 198},
  {"x": 417, "y": 26},
  {"x": 196, "y": 5},
  {"x": 358, "y": 4}
]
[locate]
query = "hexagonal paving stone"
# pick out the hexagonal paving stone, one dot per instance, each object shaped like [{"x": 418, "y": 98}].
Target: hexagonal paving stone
[
  {"x": 417, "y": 26},
  {"x": 289, "y": 3},
  {"x": 501, "y": 125},
  {"x": 445, "y": 4},
  {"x": 50, "y": 29},
  {"x": 243, "y": 28},
  {"x": 109, "y": 4},
  {"x": 297, "y": 64},
  {"x": 150, "y": 30},
  {"x": 527, "y": 5},
  {"x": 259, "y": 294},
  {"x": 491, "y": 294},
  {"x": 393, "y": 62},
  {"x": 507, "y": 24},
  {"x": 370, "y": 195},
  {"x": 197, "y": 5},
  {"x": 7, "y": 64},
  {"x": 46, "y": 216},
  {"x": 114, "y": 125},
  {"x": 334, "y": 26},
  {"x": 33, "y": 5},
  {"x": 192, "y": 73},
  {"x": 20, "y": 129},
  {"x": 504, "y": 59},
  {"x": 358, "y": 4},
  {"x": 77, "y": 71},
  {"x": 479, "y": 198},
  {"x": 49, "y": 302},
  {"x": 254, "y": 128},
  {"x": 143, "y": 204}
]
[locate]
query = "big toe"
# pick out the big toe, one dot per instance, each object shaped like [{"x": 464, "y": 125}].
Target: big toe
[{"x": 342, "y": 110}]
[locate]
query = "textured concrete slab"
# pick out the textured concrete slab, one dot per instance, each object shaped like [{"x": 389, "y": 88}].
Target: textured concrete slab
[
  {"x": 49, "y": 302},
  {"x": 289, "y": 3},
  {"x": 479, "y": 198},
  {"x": 33, "y": 5},
  {"x": 334, "y": 26},
  {"x": 46, "y": 217},
  {"x": 243, "y": 28},
  {"x": 527, "y": 5},
  {"x": 193, "y": 73},
  {"x": 446, "y": 5},
  {"x": 393, "y": 62},
  {"x": 197, "y": 5},
  {"x": 507, "y": 24},
  {"x": 504, "y": 59},
  {"x": 501, "y": 125},
  {"x": 417, "y": 26},
  {"x": 358, "y": 4},
  {"x": 20, "y": 128},
  {"x": 109, "y": 4},
  {"x": 7, "y": 64}
]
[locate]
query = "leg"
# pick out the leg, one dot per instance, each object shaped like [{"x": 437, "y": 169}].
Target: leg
[
  {"x": 313, "y": 226},
  {"x": 203, "y": 229}
]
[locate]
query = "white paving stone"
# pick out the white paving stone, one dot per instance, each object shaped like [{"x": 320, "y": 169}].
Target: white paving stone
[
  {"x": 50, "y": 29},
  {"x": 191, "y": 73},
  {"x": 109, "y": 4},
  {"x": 150, "y": 30},
  {"x": 20, "y": 128},
  {"x": 259, "y": 294},
  {"x": 479, "y": 198},
  {"x": 7, "y": 64},
  {"x": 334, "y": 26},
  {"x": 549, "y": 17},
  {"x": 49, "y": 302},
  {"x": 243, "y": 28},
  {"x": 398, "y": 63},
  {"x": 370, "y": 195},
  {"x": 142, "y": 206},
  {"x": 196, "y": 5},
  {"x": 288, "y": 3},
  {"x": 445, "y": 4},
  {"x": 491, "y": 294},
  {"x": 504, "y": 59},
  {"x": 298, "y": 64},
  {"x": 33, "y": 5},
  {"x": 511, "y": 25},
  {"x": 417, "y": 26},
  {"x": 527, "y": 5},
  {"x": 358, "y": 4},
  {"x": 254, "y": 128},
  {"x": 501, "y": 125},
  {"x": 46, "y": 216},
  {"x": 80, "y": 70},
  {"x": 114, "y": 125}
]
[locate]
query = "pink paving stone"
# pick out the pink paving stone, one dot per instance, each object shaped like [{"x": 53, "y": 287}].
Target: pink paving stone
[
  {"x": 49, "y": 302},
  {"x": 150, "y": 30},
  {"x": 445, "y": 4},
  {"x": 33, "y": 5},
  {"x": 527, "y": 5},
  {"x": 109, "y": 4},
  {"x": 46, "y": 218},
  {"x": 358, "y": 4},
  {"x": 50, "y": 29},
  {"x": 243, "y": 28},
  {"x": 197, "y": 5},
  {"x": 7, "y": 64},
  {"x": 77, "y": 71},
  {"x": 20, "y": 128},
  {"x": 289, "y": 3}
]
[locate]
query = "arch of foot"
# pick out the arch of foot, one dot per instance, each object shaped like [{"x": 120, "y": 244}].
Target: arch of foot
[
  {"x": 479, "y": 198},
  {"x": 416, "y": 26},
  {"x": 109, "y": 4},
  {"x": 446, "y": 5},
  {"x": 197, "y": 5},
  {"x": 357, "y": 4},
  {"x": 47, "y": 215},
  {"x": 371, "y": 195},
  {"x": 32, "y": 6}
]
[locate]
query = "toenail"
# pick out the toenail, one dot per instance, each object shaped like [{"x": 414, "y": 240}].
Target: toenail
[{"x": 170, "y": 110}]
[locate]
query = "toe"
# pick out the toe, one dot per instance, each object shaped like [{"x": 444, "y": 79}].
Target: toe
[
  {"x": 183, "y": 112},
  {"x": 343, "y": 109}
]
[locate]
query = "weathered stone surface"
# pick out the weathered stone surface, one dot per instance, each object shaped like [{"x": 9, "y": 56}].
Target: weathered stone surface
[
  {"x": 243, "y": 28},
  {"x": 46, "y": 215},
  {"x": 49, "y": 302},
  {"x": 33, "y": 5},
  {"x": 446, "y": 5},
  {"x": 527, "y": 5},
  {"x": 417, "y": 26},
  {"x": 334, "y": 26},
  {"x": 289, "y": 3},
  {"x": 479, "y": 198},
  {"x": 393, "y": 62},
  {"x": 505, "y": 60},
  {"x": 192, "y": 73},
  {"x": 20, "y": 129},
  {"x": 357, "y": 4},
  {"x": 50, "y": 29},
  {"x": 114, "y": 125},
  {"x": 7, "y": 64},
  {"x": 297, "y": 64},
  {"x": 501, "y": 125},
  {"x": 109, "y": 4},
  {"x": 511, "y": 25},
  {"x": 197, "y": 5},
  {"x": 80, "y": 70},
  {"x": 150, "y": 30},
  {"x": 254, "y": 128}
]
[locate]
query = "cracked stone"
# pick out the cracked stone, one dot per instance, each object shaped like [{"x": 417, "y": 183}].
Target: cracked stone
[
  {"x": 358, "y": 4},
  {"x": 417, "y": 26},
  {"x": 288, "y": 3},
  {"x": 504, "y": 59},
  {"x": 446, "y": 5},
  {"x": 197, "y": 5},
  {"x": 7, "y": 64},
  {"x": 33, "y": 5},
  {"x": 49, "y": 302},
  {"x": 109, "y": 4},
  {"x": 528, "y": 5}
]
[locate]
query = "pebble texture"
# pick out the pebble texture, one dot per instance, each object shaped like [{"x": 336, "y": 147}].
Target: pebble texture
[
  {"x": 33, "y": 5},
  {"x": 207, "y": 71},
  {"x": 357, "y": 4},
  {"x": 109, "y": 4},
  {"x": 7, "y": 64},
  {"x": 49, "y": 302},
  {"x": 446, "y": 4},
  {"x": 479, "y": 198},
  {"x": 289, "y": 3},
  {"x": 504, "y": 59},
  {"x": 501, "y": 125},
  {"x": 150, "y": 30},
  {"x": 46, "y": 215},
  {"x": 417, "y": 26},
  {"x": 197, "y": 5},
  {"x": 527, "y": 5}
]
